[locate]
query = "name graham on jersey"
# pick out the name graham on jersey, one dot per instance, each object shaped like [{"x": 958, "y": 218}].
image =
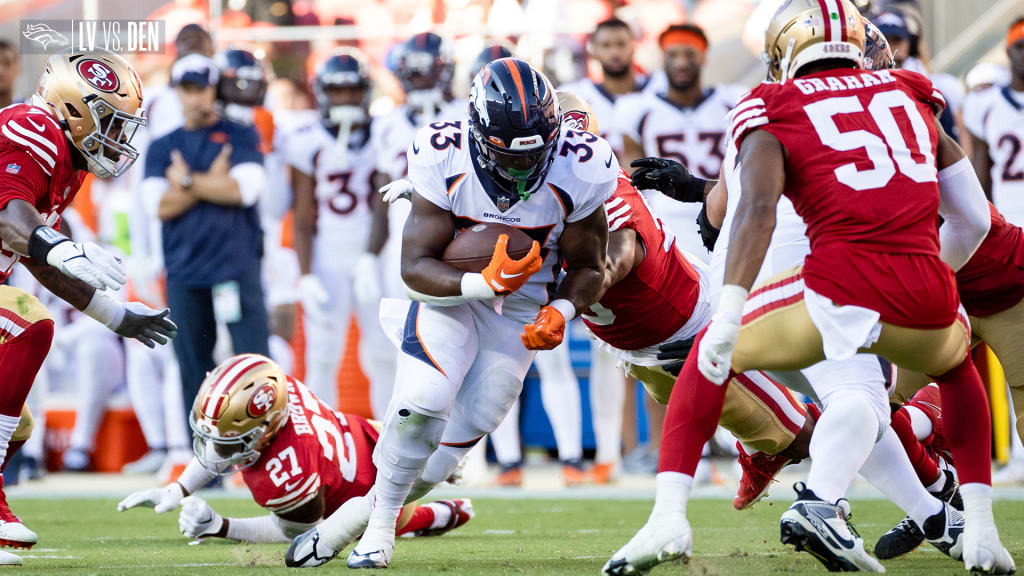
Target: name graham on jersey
[
  {"x": 500, "y": 217},
  {"x": 840, "y": 83},
  {"x": 296, "y": 414}
]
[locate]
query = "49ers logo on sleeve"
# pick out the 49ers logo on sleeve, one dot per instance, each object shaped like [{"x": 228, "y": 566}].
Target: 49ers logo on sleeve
[
  {"x": 99, "y": 75},
  {"x": 576, "y": 120},
  {"x": 262, "y": 401}
]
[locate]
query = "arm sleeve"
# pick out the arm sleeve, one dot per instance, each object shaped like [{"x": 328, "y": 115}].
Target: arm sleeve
[
  {"x": 21, "y": 178},
  {"x": 251, "y": 178},
  {"x": 259, "y": 529},
  {"x": 965, "y": 213},
  {"x": 749, "y": 115},
  {"x": 426, "y": 169}
]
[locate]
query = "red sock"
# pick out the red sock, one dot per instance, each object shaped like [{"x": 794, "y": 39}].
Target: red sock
[
  {"x": 20, "y": 359},
  {"x": 813, "y": 410},
  {"x": 967, "y": 423},
  {"x": 421, "y": 519},
  {"x": 694, "y": 409},
  {"x": 926, "y": 468}
]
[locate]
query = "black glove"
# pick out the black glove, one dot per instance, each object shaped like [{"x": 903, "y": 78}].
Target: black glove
[
  {"x": 676, "y": 351},
  {"x": 149, "y": 326},
  {"x": 668, "y": 177}
]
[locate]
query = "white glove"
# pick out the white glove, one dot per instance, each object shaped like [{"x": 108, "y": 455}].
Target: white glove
[
  {"x": 87, "y": 262},
  {"x": 159, "y": 499},
  {"x": 366, "y": 280},
  {"x": 392, "y": 191},
  {"x": 198, "y": 520},
  {"x": 714, "y": 358},
  {"x": 314, "y": 298}
]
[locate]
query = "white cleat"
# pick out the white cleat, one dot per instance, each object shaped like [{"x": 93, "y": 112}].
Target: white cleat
[
  {"x": 307, "y": 551},
  {"x": 374, "y": 549},
  {"x": 16, "y": 535},
  {"x": 660, "y": 540},
  {"x": 822, "y": 529},
  {"x": 8, "y": 559},
  {"x": 986, "y": 554}
]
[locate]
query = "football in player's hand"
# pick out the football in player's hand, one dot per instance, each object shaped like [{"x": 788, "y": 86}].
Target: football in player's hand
[{"x": 472, "y": 249}]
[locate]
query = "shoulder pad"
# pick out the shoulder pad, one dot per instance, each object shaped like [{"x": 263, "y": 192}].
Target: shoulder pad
[
  {"x": 436, "y": 141},
  {"x": 591, "y": 157},
  {"x": 34, "y": 130}
]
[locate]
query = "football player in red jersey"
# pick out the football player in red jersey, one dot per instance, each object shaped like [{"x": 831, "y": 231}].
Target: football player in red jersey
[
  {"x": 81, "y": 119},
  {"x": 300, "y": 460},
  {"x": 869, "y": 225}
]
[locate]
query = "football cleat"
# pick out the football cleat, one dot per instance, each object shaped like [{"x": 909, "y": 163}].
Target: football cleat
[
  {"x": 947, "y": 528},
  {"x": 306, "y": 551},
  {"x": 986, "y": 554},
  {"x": 462, "y": 512},
  {"x": 602, "y": 473},
  {"x": 759, "y": 472},
  {"x": 374, "y": 549},
  {"x": 8, "y": 559},
  {"x": 656, "y": 543},
  {"x": 906, "y": 536},
  {"x": 573, "y": 474},
  {"x": 13, "y": 534},
  {"x": 150, "y": 463},
  {"x": 824, "y": 531},
  {"x": 511, "y": 476}
]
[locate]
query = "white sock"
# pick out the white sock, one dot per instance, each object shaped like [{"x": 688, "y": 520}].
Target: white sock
[
  {"x": 842, "y": 440},
  {"x": 346, "y": 524},
  {"x": 919, "y": 421},
  {"x": 607, "y": 394},
  {"x": 889, "y": 470},
  {"x": 8, "y": 424},
  {"x": 560, "y": 394},
  {"x": 939, "y": 484},
  {"x": 442, "y": 514},
  {"x": 977, "y": 504},
  {"x": 673, "y": 491}
]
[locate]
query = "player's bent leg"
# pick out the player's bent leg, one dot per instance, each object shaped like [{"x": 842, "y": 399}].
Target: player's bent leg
[
  {"x": 437, "y": 348},
  {"x": 1004, "y": 334}
]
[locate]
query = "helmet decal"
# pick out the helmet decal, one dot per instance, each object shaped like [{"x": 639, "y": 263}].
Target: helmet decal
[
  {"x": 262, "y": 401},
  {"x": 575, "y": 120},
  {"x": 99, "y": 75}
]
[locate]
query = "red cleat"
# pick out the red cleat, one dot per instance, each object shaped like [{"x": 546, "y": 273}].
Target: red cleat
[
  {"x": 462, "y": 512},
  {"x": 13, "y": 534},
  {"x": 759, "y": 472}
]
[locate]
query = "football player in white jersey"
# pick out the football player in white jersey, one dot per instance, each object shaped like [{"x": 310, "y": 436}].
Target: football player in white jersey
[
  {"x": 995, "y": 120},
  {"x": 467, "y": 339},
  {"x": 340, "y": 226},
  {"x": 686, "y": 123},
  {"x": 612, "y": 44}
]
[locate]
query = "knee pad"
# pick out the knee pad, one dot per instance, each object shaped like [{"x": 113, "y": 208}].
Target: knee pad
[
  {"x": 484, "y": 406},
  {"x": 443, "y": 462},
  {"x": 24, "y": 430},
  {"x": 878, "y": 403},
  {"x": 407, "y": 441}
]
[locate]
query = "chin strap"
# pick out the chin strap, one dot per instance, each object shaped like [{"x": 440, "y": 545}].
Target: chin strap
[{"x": 521, "y": 176}]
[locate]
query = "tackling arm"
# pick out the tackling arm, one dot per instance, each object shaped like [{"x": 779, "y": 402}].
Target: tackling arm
[
  {"x": 584, "y": 246},
  {"x": 962, "y": 204},
  {"x": 625, "y": 254},
  {"x": 199, "y": 520},
  {"x": 18, "y": 220}
]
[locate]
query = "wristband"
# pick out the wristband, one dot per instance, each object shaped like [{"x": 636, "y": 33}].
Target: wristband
[
  {"x": 565, "y": 307},
  {"x": 42, "y": 240},
  {"x": 693, "y": 191},
  {"x": 730, "y": 304},
  {"x": 105, "y": 310},
  {"x": 475, "y": 286}
]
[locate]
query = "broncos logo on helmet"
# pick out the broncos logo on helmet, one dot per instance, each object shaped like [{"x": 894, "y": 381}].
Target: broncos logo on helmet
[{"x": 514, "y": 123}]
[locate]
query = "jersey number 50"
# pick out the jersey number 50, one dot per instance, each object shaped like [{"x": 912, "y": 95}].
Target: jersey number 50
[{"x": 881, "y": 153}]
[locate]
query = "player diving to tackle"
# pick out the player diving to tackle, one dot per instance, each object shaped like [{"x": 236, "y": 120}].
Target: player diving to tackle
[
  {"x": 300, "y": 459},
  {"x": 469, "y": 338},
  {"x": 808, "y": 314},
  {"x": 81, "y": 119}
]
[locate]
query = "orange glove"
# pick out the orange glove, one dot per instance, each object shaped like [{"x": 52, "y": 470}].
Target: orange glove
[
  {"x": 547, "y": 330},
  {"x": 505, "y": 275}
]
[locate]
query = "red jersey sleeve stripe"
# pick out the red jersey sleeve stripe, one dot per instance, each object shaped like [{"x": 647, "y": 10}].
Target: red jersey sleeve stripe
[
  {"x": 34, "y": 135},
  {"x": 744, "y": 106},
  {"x": 45, "y": 161},
  {"x": 313, "y": 479}
]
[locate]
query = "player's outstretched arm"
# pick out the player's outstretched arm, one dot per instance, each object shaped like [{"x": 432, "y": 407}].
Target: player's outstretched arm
[
  {"x": 962, "y": 204},
  {"x": 583, "y": 245},
  {"x": 624, "y": 255},
  {"x": 23, "y": 230},
  {"x": 199, "y": 520},
  {"x": 671, "y": 178},
  {"x": 128, "y": 319},
  {"x": 763, "y": 178}
]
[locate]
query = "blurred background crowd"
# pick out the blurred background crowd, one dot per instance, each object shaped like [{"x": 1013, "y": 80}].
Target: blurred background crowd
[{"x": 278, "y": 243}]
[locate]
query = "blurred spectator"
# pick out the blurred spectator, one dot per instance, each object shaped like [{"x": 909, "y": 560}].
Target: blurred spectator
[
  {"x": 983, "y": 76},
  {"x": 203, "y": 181},
  {"x": 10, "y": 67}
]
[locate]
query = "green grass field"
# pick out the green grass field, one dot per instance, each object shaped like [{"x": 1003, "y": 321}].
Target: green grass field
[{"x": 529, "y": 537}]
